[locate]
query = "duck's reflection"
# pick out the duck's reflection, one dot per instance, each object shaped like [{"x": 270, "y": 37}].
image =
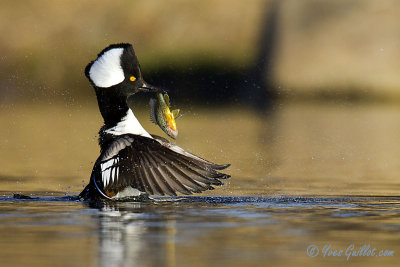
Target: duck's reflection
[{"x": 132, "y": 234}]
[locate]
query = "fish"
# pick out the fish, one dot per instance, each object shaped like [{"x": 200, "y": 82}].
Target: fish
[{"x": 161, "y": 114}]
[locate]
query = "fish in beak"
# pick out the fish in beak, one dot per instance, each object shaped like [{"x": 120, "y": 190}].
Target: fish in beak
[{"x": 161, "y": 114}]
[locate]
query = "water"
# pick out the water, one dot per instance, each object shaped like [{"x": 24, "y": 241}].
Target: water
[
  {"x": 198, "y": 231},
  {"x": 311, "y": 176}
]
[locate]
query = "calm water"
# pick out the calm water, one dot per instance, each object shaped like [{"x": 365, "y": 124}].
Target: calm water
[
  {"x": 309, "y": 176},
  {"x": 199, "y": 231}
]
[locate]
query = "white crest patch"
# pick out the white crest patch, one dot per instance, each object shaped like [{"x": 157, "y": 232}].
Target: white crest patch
[
  {"x": 128, "y": 125},
  {"x": 106, "y": 71}
]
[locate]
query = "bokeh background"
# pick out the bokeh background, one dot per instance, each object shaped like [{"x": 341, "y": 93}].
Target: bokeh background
[{"x": 301, "y": 97}]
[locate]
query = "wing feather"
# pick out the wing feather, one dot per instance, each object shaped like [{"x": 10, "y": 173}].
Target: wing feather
[
  {"x": 152, "y": 189},
  {"x": 163, "y": 179},
  {"x": 154, "y": 166},
  {"x": 194, "y": 184},
  {"x": 181, "y": 151},
  {"x": 136, "y": 163},
  {"x": 174, "y": 182},
  {"x": 166, "y": 189},
  {"x": 150, "y": 178}
]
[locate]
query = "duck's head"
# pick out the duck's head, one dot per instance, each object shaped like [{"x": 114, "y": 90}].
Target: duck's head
[{"x": 116, "y": 71}]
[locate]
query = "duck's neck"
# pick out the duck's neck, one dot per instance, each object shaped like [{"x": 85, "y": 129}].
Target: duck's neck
[
  {"x": 113, "y": 106},
  {"x": 118, "y": 117},
  {"x": 128, "y": 124}
]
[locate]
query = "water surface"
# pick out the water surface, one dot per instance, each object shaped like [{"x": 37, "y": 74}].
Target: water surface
[
  {"x": 198, "y": 231},
  {"x": 309, "y": 174}
]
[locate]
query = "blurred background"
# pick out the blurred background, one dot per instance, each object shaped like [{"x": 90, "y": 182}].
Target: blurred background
[{"x": 301, "y": 97}]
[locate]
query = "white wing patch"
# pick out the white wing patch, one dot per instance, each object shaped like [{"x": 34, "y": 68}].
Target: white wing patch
[
  {"x": 106, "y": 71},
  {"x": 109, "y": 171}
]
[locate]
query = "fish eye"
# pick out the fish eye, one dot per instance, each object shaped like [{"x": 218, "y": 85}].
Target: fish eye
[{"x": 132, "y": 78}]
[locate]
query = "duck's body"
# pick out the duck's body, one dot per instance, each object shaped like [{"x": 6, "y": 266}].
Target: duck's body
[{"x": 132, "y": 162}]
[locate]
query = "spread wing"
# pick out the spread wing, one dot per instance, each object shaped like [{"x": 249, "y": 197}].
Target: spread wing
[{"x": 153, "y": 166}]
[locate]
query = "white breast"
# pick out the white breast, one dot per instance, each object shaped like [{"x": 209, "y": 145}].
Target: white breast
[{"x": 128, "y": 125}]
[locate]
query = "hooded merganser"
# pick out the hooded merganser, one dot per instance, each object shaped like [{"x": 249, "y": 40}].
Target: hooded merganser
[{"x": 132, "y": 162}]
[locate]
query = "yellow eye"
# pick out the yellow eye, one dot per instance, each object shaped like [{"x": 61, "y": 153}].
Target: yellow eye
[{"x": 132, "y": 78}]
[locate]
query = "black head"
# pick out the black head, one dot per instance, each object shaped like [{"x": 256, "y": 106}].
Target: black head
[{"x": 117, "y": 70}]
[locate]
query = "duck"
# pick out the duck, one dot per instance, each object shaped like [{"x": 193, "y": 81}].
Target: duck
[{"x": 134, "y": 164}]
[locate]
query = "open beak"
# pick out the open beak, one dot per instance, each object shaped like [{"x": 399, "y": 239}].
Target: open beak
[{"x": 147, "y": 88}]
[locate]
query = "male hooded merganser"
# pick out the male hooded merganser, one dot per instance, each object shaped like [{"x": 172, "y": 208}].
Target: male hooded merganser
[{"x": 132, "y": 162}]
